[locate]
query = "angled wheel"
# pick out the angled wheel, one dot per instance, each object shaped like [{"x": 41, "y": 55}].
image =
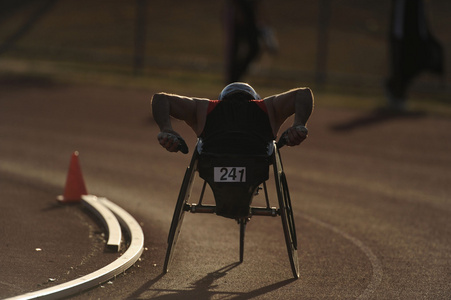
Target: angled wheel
[
  {"x": 179, "y": 211},
  {"x": 286, "y": 214},
  {"x": 289, "y": 210},
  {"x": 289, "y": 228}
]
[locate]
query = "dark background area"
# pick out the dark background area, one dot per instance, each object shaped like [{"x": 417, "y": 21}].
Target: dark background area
[{"x": 146, "y": 42}]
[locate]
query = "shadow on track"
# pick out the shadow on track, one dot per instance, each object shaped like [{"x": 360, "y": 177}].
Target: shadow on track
[
  {"x": 201, "y": 289},
  {"x": 375, "y": 117}
]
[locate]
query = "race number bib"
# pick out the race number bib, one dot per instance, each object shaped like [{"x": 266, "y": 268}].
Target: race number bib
[{"x": 230, "y": 174}]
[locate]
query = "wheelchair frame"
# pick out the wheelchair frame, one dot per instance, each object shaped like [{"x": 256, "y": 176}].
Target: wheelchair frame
[{"x": 284, "y": 210}]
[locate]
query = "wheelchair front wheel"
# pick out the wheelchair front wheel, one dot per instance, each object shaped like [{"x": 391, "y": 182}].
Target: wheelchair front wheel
[{"x": 242, "y": 222}]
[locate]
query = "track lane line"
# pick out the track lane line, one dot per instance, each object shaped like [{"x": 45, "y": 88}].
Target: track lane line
[{"x": 376, "y": 265}]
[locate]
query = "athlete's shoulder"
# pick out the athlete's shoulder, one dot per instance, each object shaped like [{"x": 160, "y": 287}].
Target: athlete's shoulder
[
  {"x": 262, "y": 105},
  {"x": 211, "y": 105}
]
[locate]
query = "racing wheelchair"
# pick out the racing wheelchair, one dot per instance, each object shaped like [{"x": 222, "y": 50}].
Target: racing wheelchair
[{"x": 234, "y": 180}]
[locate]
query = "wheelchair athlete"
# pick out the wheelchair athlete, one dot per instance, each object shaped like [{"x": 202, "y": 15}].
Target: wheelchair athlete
[{"x": 239, "y": 110}]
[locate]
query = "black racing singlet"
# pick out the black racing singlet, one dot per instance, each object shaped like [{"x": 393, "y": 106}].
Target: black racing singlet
[{"x": 237, "y": 127}]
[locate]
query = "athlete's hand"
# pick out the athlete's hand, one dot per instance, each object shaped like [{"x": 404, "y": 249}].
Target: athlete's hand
[
  {"x": 293, "y": 136},
  {"x": 172, "y": 142}
]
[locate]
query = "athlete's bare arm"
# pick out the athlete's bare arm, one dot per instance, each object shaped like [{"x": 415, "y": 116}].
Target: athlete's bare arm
[
  {"x": 280, "y": 107},
  {"x": 189, "y": 109}
]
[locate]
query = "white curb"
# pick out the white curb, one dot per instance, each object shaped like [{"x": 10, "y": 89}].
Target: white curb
[
  {"x": 104, "y": 274},
  {"x": 109, "y": 220}
]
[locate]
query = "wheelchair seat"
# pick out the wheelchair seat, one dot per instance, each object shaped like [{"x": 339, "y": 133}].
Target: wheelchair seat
[
  {"x": 234, "y": 180},
  {"x": 234, "y": 170}
]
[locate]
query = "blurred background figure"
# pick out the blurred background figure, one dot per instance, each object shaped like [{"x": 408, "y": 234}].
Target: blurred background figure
[
  {"x": 247, "y": 30},
  {"x": 413, "y": 49}
]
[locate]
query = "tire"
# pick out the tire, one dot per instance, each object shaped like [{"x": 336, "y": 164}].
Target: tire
[
  {"x": 179, "y": 211},
  {"x": 286, "y": 214},
  {"x": 289, "y": 228}
]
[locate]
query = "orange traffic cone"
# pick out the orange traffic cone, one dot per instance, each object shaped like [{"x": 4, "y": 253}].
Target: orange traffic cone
[{"x": 75, "y": 185}]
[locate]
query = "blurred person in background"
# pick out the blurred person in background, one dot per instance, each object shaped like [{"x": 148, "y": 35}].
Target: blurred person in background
[
  {"x": 247, "y": 30},
  {"x": 413, "y": 49}
]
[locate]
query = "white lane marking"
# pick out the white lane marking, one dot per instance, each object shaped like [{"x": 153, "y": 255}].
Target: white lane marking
[{"x": 375, "y": 263}]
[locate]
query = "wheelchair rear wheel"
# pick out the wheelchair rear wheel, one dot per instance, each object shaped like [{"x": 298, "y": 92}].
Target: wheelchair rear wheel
[
  {"x": 289, "y": 229},
  {"x": 179, "y": 212},
  {"x": 286, "y": 213}
]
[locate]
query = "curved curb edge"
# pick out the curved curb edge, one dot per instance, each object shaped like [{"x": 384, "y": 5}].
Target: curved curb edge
[
  {"x": 109, "y": 220},
  {"x": 115, "y": 268}
]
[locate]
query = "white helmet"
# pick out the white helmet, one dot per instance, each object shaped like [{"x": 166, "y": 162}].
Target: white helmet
[{"x": 239, "y": 87}]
